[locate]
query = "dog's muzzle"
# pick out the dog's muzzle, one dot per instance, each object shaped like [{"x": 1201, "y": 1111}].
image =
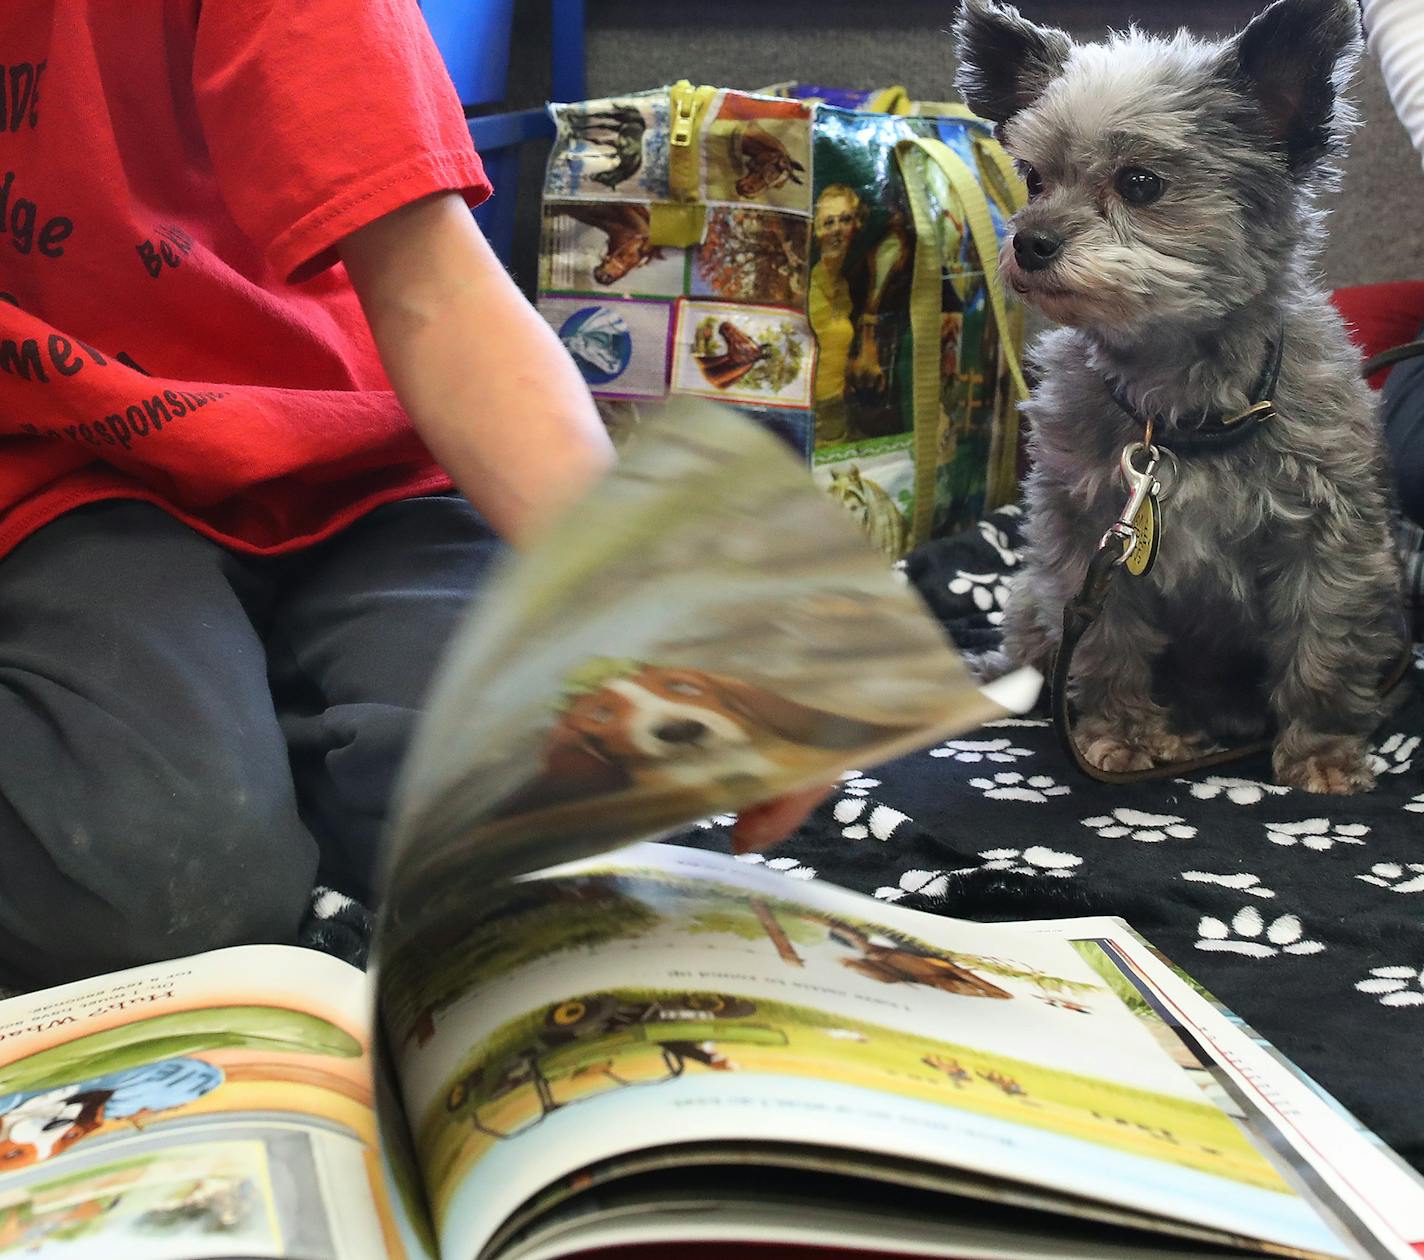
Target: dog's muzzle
[{"x": 1035, "y": 248}]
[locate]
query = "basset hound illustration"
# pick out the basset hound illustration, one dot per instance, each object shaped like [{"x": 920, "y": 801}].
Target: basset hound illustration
[{"x": 664, "y": 727}]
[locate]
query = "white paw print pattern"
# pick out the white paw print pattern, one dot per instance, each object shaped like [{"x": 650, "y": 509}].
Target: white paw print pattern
[
  {"x": 1239, "y": 882},
  {"x": 1394, "y": 986},
  {"x": 1136, "y": 824},
  {"x": 999, "y": 541},
  {"x": 1034, "y": 860},
  {"x": 788, "y": 866},
  {"x": 717, "y": 820},
  {"x": 1009, "y": 785},
  {"x": 926, "y": 883},
  {"x": 1237, "y": 791},
  {"x": 987, "y": 591},
  {"x": 1395, "y": 755},
  {"x": 1400, "y": 877},
  {"x": 860, "y": 819},
  {"x": 1316, "y": 833},
  {"x": 854, "y": 783},
  {"x": 1415, "y": 804},
  {"x": 972, "y": 750},
  {"x": 1249, "y": 934}
]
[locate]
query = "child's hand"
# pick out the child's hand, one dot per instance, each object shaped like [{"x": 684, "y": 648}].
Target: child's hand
[{"x": 762, "y": 826}]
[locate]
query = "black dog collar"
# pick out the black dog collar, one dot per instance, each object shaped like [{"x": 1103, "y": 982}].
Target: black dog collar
[{"x": 1214, "y": 431}]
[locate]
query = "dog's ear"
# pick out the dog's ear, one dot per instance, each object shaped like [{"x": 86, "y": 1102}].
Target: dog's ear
[
  {"x": 1005, "y": 61},
  {"x": 1294, "y": 60}
]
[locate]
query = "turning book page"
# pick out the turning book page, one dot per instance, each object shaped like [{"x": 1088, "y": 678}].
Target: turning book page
[{"x": 704, "y": 631}]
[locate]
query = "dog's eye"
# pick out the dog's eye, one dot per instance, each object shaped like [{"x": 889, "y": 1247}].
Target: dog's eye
[
  {"x": 1031, "y": 178},
  {"x": 1138, "y": 186}
]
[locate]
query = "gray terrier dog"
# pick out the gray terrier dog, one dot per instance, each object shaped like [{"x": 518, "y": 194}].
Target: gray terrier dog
[{"x": 1172, "y": 230}]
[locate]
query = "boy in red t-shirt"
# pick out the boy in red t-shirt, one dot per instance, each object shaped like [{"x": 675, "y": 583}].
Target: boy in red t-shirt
[{"x": 242, "y": 304}]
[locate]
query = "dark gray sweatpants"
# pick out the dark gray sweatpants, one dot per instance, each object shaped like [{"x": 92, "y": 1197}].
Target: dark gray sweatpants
[{"x": 188, "y": 736}]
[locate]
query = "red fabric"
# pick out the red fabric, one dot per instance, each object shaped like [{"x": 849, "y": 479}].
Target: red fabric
[
  {"x": 1381, "y": 316},
  {"x": 174, "y": 177}
]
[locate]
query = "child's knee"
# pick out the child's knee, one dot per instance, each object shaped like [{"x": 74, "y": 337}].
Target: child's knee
[{"x": 185, "y": 883}]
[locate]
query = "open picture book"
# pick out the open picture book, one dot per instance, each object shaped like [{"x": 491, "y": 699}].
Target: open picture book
[{"x": 577, "y": 1041}]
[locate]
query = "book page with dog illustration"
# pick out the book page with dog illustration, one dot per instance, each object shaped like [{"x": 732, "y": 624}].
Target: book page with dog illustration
[
  {"x": 702, "y": 632},
  {"x": 209, "y": 1107},
  {"x": 607, "y": 1019}
]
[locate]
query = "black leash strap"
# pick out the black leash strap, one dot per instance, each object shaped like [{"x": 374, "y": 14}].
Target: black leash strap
[
  {"x": 1388, "y": 358},
  {"x": 1083, "y": 610}
]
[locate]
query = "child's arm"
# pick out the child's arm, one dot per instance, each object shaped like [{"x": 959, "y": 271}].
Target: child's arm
[
  {"x": 484, "y": 379},
  {"x": 491, "y": 390}
]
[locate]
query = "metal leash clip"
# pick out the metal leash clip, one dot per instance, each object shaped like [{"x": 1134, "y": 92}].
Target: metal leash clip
[{"x": 1138, "y": 528}]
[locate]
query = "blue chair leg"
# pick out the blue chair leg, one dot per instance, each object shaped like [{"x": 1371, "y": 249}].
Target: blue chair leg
[{"x": 569, "y": 77}]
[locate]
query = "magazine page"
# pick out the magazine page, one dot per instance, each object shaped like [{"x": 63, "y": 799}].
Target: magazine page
[
  {"x": 704, "y": 631},
  {"x": 1377, "y": 1199},
  {"x": 215, "y": 1106},
  {"x": 666, "y": 997}
]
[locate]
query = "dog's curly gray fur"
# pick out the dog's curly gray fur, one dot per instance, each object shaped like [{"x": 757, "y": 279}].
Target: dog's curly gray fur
[{"x": 1275, "y": 598}]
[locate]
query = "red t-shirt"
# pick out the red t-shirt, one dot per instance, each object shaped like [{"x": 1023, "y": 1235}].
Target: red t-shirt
[{"x": 174, "y": 176}]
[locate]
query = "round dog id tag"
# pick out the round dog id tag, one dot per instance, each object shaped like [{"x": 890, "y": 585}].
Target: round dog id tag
[{"x": 1147, "y": 525}]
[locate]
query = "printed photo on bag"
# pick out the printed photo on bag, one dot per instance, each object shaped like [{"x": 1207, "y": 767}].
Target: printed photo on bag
[
  {"x": 620, "y": 346},
  {"x": 743, "y": 354},
  {"x": 611, "y": 149},
  {"x": 752, "y": 256},
  {"x": 969, "y": 401},
  {"x": 590, "y": 246},
  {"x": 862, "y": 258},
  {"x": 875, "y": 483},
  {"x": 759, "y": 150}
]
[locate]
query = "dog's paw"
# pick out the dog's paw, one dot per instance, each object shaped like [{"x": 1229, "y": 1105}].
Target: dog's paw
[
  {"x": 1139, "y": 748},
  {"x": 1334, "y": 768},
  {"x": 1116, "y": 756}
]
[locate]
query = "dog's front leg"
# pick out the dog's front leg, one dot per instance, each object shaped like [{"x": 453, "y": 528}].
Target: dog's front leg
[
  {"x": 1333, "y": 636},
  {"x": 1032, "y": 626},
  {"x": 1120, "y": 726}
]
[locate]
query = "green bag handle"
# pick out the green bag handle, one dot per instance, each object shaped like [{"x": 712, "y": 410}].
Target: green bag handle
[
  {"x": 925, "y": 311},
  {"x": 975, "y": 203}
]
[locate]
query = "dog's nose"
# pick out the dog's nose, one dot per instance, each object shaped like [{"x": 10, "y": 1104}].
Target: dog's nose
[
  {"x": 1035, "y": 248},
  {"x": 682, "y": 731}
]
